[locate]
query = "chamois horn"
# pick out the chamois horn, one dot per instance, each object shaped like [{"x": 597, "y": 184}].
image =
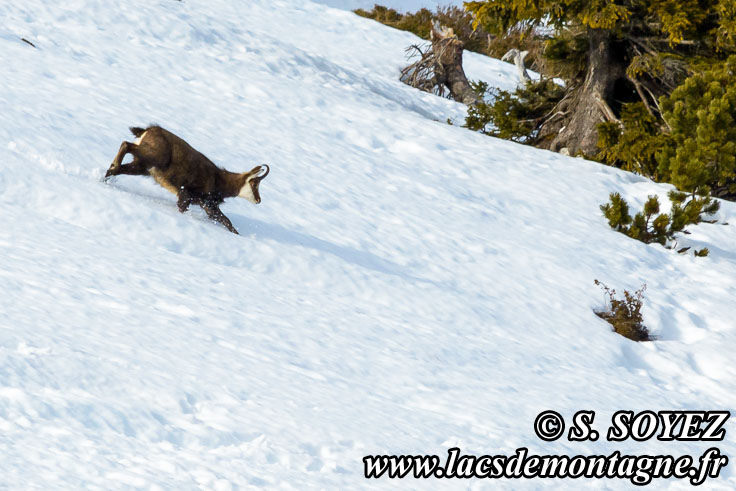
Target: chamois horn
[{"x": 263, "y": 176}]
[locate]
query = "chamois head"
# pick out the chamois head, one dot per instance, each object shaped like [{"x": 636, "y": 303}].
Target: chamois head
[{"x": 253, "y": 178}]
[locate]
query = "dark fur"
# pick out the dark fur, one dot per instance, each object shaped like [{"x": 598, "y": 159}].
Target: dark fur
[{"x": 184, "y": 171}]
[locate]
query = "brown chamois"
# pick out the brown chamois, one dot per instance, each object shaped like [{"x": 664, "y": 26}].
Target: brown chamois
[{"x": 181, "y": 169}]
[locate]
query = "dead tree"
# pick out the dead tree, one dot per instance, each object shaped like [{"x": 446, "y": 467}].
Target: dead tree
[
  {"x": 439, "y": 69},
  {"x": 518, "y": 58}
]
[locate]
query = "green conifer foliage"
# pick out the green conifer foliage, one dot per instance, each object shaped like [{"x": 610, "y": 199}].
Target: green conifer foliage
[
  {"x": 513, "y": 116},
  {"x": 702, "y": 252},
  {"x": 651, "y": 226},
  {"x": 676, "y": 19},
  {"x": 633, "y": 143},
  {"x": 613, "y": 53},
  {"x": 617, "y": 213},
  {"x": 700, "y": 151}
]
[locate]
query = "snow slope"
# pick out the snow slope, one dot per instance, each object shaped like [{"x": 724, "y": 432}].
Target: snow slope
[{"x": 406, "y": 286}]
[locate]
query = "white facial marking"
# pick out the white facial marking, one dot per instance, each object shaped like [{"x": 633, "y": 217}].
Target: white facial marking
[{"x": 247, "y": 193}]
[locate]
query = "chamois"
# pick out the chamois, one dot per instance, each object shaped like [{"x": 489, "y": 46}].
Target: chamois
[{"x": 181, "y": 169}]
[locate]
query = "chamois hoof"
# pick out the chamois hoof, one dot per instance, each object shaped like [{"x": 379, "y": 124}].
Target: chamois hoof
[{"x": 110, "y": 173}]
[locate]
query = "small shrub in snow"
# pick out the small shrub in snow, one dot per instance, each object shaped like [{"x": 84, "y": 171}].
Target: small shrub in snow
[
  {"x": 650, "y": 225},
  {"x": 624, "y": 314}
]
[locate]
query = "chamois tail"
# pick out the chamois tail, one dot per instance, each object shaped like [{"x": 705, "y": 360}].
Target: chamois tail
[{"x": 136, "y": 131}]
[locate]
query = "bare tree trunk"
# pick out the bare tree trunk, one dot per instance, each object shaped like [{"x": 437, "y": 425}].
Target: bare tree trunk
[
  {"x": 590, "y": 105},
  {"x": 518, "y": 58},
  {"x": 448, "y": 52}
]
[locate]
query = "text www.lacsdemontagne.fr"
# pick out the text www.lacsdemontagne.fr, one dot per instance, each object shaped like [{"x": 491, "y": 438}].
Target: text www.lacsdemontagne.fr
[{"x": 639, "y": 469}]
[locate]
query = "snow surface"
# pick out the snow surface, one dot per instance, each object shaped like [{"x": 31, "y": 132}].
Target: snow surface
[{"x": 405, "y": 286}]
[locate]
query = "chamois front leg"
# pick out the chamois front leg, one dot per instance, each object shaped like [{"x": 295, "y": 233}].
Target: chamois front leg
[
  {"x": 125, "y": 148},
  {"x": 213, "y": 211}
]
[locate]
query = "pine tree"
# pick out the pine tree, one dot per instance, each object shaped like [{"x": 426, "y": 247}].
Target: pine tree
[
  {"x": 632, "y": 143},
  {"x": 626, "y": 51},
  {"x": 700, "y": 151}
]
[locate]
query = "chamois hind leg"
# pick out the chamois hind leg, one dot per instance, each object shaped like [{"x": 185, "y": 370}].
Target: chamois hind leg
[
  {"x": 213, "y": 211},
  {"x": 184, "y": 199},
  {"x": 125, "y": 148}
]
